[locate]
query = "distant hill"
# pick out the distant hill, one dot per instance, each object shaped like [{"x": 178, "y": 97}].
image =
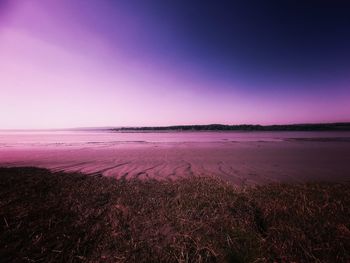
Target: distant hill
[{"x": 245, "y": 127}]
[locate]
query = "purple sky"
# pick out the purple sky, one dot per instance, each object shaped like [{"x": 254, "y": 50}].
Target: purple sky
[{"x": 125, "y": 63}]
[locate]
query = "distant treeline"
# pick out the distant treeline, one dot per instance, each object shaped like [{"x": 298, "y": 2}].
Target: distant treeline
[{"x": 245, "y": 127}]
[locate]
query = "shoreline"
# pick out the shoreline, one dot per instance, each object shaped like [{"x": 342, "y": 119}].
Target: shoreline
[
  {"x": 240, "y": 162},
  {"x": 74, "y": 217}
]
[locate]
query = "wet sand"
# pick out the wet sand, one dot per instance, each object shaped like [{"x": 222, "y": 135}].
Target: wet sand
[{"x": 247, "y": 161}]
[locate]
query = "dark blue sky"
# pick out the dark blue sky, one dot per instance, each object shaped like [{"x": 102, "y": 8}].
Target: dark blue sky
[{"x": 259, "y": 40}]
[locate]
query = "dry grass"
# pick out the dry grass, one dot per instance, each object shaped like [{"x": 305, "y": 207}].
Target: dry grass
[{"x": 59, "y": 217}]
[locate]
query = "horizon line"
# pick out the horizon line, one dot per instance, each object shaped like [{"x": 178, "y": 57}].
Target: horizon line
[{"x": 165, "y": 126}]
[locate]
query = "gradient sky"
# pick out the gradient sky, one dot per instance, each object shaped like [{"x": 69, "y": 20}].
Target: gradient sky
[{"x": 84, "y": 63}]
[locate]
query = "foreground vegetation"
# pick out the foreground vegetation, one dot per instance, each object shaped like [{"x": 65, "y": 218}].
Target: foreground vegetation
[{"x": 46, "y": 217}]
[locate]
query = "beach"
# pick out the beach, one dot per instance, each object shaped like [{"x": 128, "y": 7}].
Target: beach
[
  {"x": 242, "y": 158},
  {"x": 105, "y": 196}
]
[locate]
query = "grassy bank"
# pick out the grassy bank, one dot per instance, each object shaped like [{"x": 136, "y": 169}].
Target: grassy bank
[{"x": 60, "y": 217}]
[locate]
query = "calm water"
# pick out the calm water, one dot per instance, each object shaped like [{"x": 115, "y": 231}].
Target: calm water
[{"x": 91, "y": 138}]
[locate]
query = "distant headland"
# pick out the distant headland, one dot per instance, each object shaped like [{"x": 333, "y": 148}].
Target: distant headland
[{"x": 340, "y": 126}]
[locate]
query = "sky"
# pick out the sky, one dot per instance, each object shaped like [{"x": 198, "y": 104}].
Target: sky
[{"x": 87, "y": 63}]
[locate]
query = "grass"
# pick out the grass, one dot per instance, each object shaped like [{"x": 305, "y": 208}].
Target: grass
[{"x": 59, "y": 217}]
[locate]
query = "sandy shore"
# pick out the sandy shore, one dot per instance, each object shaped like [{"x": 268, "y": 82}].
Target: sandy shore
[{"x": 248, "y": 162}]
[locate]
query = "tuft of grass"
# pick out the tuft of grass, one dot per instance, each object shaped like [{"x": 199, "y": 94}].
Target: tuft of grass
[
  {"x": 60, "y": 217},
  {"x": 307, "y": 222}
]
